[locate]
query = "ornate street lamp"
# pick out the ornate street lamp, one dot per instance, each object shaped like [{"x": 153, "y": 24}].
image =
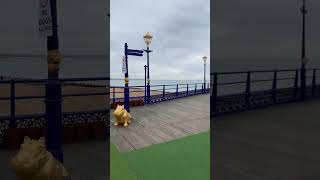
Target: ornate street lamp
[
  {"x": 147, "y": 39},
  {"x": 204, "y": 58}
]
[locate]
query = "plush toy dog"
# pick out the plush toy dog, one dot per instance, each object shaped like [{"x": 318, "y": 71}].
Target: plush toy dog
[
  {"x": 122, "y": 116},
  {"x": 34, "y": 162}
]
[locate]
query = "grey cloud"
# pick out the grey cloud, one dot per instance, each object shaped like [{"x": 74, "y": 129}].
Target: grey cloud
[
  {"x": 181, "y": 37},
  {"x": 263, "y": 29}
]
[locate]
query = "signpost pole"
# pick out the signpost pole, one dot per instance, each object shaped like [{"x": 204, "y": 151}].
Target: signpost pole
[
  {"x": 53, "y": 90},
  {"x": 126, "y": 80},
  {"x": 127, "y": 52}
]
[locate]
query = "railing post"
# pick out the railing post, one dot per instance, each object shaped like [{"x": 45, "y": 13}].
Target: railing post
[
  {"x": 195, "y": 89},
  {"x": 248, "y": 93},
  {"x": 274, "y": 87},
  {"x": 187, "y": 89},
  {"x": 12, "y": 123},
  {"x": 163, "y": 92},
  {"x": 296, "y": 83},
  {"x": 177, "y": 90},
  {"x": 313, "y": 82},
  {"x": 303, "y": 84},
  {"x": 214, "y": 94},
  {"x": 114, "y": 95},
  {"x": 202, "y": 88}
]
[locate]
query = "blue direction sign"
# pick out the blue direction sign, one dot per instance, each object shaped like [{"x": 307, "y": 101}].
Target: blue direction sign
[{"x": 134, "y": 52}]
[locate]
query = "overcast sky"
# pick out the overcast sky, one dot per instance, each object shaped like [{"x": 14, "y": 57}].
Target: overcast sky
[
  {"x": 181, "y": 37},
  {"x": 82, "y": 27},
  {"x": 263, "y": 29}
]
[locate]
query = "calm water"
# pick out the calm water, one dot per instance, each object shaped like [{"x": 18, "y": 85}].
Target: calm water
[
  {"x": 36, "y": 67},
  {"x": 74, "y": 67}
]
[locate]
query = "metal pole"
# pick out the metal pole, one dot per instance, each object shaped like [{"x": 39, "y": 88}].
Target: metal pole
[
  {"x": 126, "y": 81},
  {"x": 145, "y": 83},
  {"x": 248, "y": 90},
  {"x": 53, "y": 91},
  {"x": 148, "y": 75},
  {"x": 303, "y": 51},
  {"x": 204, "y": 77},
  {"x": 12, "y": 123}
]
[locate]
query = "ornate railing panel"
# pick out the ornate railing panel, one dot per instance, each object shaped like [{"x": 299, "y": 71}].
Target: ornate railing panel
[
  {"x": 12, "y": 120},
  {"x": 160, "y": 92},
  {"x": 237, "y": 102}
]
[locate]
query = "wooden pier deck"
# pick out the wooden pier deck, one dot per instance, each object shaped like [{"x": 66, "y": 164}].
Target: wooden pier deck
[
  {"x": 161, "y": 122},
  {"x": 275, "y": 143}
]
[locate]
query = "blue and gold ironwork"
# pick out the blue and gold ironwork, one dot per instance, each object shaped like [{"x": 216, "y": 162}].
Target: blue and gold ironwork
[{"x": 13, "y": 120}]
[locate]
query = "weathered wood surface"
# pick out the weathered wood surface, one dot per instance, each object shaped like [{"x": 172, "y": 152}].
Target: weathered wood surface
[
  {"x": 161, "y": 122},
  {"x": 279, "y": 142}
]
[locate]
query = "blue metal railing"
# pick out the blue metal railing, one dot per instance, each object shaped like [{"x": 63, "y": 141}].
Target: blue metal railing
[
  {"x": 158, "y": 93},
  {"x": 37, "y": 119},
  {"x": 280, "y": 87}
]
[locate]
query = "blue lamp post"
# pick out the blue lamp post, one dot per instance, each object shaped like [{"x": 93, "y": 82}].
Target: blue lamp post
[
  {"x": 145, "y": 83},
  {"x": 204, "y": 58},
  {"x": 147, "y": 39}
]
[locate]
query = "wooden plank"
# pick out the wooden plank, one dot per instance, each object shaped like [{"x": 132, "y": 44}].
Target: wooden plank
[
  {"x": 122, "y": 144},
  {"x": 136, "y": 140}
]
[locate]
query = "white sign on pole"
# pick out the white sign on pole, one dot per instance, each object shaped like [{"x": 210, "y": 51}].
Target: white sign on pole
[
  {"x": 124, "y": 66},
  {"x": 45, "y": 20}
]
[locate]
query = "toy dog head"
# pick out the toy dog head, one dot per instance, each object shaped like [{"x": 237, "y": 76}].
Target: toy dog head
[
  {"x": 119, "y": 111},
  {"x": 31, "y": 157}
]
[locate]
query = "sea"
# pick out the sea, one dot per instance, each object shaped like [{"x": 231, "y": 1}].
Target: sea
[{"x": 35, "y": 67}]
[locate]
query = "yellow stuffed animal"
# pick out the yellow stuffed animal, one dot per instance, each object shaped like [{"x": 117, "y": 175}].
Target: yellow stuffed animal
[
  {"x": 122, "y": 116},
  {"x": 34, "y": 162}
]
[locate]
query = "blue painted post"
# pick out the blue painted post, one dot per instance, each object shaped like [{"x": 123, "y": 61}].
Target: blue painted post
[
  {"x": 303, "y": 52},
  {"x": 274, "y": 87},
  {"x": 12, "y": 123},
  {"x": 145, "y": 83},
  {"x": 195, "y": 89},
  {"x": 114, "y": 95},
  {"x": 177, "y": 90},
  {"x": 296, "y": 83},
  {"x": 313, "y": 82},
  {"x": 53, "y": 91},
  {"x": 214, "y": 94},
  {"x": 163, "y": 92},
  {"x": 202, "y": 88},
  {"x": 248, "y": 93},
  {"x": 187, "y": 89},
  {"x": 126, "y": 81}
]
